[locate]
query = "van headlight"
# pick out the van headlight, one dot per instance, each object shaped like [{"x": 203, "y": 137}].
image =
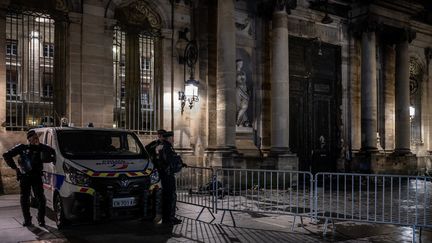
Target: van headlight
[
  {"x": 75, "y": 176},
  {"x": 154, "y": 177}
]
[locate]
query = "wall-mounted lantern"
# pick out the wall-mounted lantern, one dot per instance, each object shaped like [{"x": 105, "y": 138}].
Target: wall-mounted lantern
[{"x": 187, "y": 51}]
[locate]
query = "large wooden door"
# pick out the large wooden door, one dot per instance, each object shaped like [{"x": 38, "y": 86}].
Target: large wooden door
[{"x": 315, "y": 99}]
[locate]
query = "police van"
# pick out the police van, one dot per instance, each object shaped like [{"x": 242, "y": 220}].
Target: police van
[{"x": 97, "y": 174}]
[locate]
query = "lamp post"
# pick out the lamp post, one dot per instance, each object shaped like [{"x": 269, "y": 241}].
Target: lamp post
[{"x": 187, "y": 51}]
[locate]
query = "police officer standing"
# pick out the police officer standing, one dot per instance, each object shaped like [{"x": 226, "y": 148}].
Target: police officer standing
[
  {"x": 151, "y": 147},
  {"x": 30, "y": 174},
  {"x": 170, "y": 163}
]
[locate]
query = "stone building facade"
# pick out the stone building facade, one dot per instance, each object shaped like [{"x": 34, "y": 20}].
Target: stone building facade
[{"x": 338, "y": 85}]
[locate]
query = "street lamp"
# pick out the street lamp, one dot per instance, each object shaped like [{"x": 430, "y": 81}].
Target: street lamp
[{"x": 187, "y": 51}]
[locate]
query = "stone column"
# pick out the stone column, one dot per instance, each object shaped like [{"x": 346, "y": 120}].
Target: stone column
[
  {"x": 279, "y": 151},
  {"x": 221, "y": 85},
  {"x": 60, "y": 60},
  {"x": 389, "y": 97},
  {"x": 74, "y": 69},
  {"x": 402, "y": 93},
  {"x": 368, "y": 93},
  {"x": 280, "y": 84},
  {"x": 2, "y": 69},
  {"x": 226, "y": 76},
  {"x": 132, "y": 83}
]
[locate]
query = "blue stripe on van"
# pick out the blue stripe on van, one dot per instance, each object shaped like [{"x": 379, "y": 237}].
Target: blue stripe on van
[{"x": 58, "y": 181}]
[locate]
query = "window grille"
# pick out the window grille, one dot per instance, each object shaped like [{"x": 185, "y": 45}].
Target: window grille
[
  {"x": 26, "y": 65},
  {"x": 145, "y": 117}
]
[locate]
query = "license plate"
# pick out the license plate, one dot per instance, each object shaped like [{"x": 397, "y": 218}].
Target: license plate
[{"x": 124, "y": 202}]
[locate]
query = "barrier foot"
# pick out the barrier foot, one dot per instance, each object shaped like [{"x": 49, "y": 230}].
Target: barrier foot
[
  {"x": 301, "y": 220},
  {"x": 325, "y": 226},
  {"x": 414, "y": 234},
  {"x": 233, "y": 220},
  {"x": 211, "y": 213},
  {"x": 223, "y": 216},
  {"x": 420, "y": 234},
  {"x": 292, "y": 226}
]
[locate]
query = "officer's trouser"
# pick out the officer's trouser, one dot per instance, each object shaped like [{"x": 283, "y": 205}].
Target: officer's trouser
[
  {"x": 169, "y": 197},
  {"x": 28, "y": 183}
]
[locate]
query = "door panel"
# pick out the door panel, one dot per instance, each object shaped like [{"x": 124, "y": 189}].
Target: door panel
[{"x": 315, "y": 99}]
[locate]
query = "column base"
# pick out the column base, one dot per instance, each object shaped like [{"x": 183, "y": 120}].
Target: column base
[
  {"x": 282, "y": 159},
  {"x": 380, "y": 163},
  {"x": 369, "y": 150},
  {"x": 220, "y": 157},
  {"x": 401, "y": 152}
]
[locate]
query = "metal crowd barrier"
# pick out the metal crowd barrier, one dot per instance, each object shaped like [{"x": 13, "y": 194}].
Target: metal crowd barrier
[
  {"x": 264, "y": 191},
  {"x": 194, "y": 186},
  {"x": 386, "y": 199}
]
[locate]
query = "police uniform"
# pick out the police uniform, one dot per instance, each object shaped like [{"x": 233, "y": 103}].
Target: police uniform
[
  {"x": 29, "y": 176},
  {"x": 169, "y": 196}
]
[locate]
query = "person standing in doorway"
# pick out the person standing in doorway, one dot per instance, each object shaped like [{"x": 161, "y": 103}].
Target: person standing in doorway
[{"x": 29, "y": 174}]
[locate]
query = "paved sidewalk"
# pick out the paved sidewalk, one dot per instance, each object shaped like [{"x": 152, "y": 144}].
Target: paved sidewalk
[{"x": 250, "y": 228}]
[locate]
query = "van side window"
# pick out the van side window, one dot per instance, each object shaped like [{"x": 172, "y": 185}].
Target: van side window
[
  {"x": 132, "y": 145},
  {"x": 41, "y": 136}
]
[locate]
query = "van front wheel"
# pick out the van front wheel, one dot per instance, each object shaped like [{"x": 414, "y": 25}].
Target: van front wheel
[{"x": 60, "y": 218}]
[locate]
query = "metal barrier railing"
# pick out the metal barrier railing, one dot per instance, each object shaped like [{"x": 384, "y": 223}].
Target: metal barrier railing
[
  {"x": 268, "y": 191},
  {"x": 387, "y": 199},
  {"x": 194, "y": 186}
]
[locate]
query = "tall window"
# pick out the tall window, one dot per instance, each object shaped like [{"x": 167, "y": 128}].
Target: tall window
[
  {"x": 47, "y": 86},
  {"x": 11, "y": 48},
  {"x": 48, "y": 50},
  {"x": 11, "y": 83},
  {"x": 143, "y": 115},
  {"x": 29, "y": 52}
]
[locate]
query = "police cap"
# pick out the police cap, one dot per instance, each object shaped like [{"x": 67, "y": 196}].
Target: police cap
[{"x": 168, "y": 134}]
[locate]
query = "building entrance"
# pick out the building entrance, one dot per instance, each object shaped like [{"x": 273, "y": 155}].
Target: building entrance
[{"x": 315, "y": 100}]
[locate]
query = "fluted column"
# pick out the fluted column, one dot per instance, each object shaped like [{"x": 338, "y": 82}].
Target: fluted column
[
  {"x": 280, "y": 83},
  {"x": 402, "y": 93},
  {"x": 368, "y": 92},
  {"x": 226, "y": 76}
]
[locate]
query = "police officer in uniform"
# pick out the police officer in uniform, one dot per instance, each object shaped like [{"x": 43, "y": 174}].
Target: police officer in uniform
[
  {"x": 169, "y": 159},
  {"x": 30, "y": 173},
  {"x": 151, "y": 147}
]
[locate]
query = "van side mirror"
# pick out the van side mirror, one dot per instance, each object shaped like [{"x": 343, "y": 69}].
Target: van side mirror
[{"x": 48, "y": 157}]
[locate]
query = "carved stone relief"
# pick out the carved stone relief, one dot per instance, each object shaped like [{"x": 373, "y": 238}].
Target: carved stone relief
[
  {"x": 139, "y": 14},
  {"x": 245, "y": 24}
]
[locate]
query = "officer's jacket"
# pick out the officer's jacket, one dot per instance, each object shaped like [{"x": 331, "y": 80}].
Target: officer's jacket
[
  {"x": 30, "y": 157},
  {"x": 170, "y": 161}
]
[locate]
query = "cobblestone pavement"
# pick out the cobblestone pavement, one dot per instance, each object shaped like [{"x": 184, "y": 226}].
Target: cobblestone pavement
[{"x": 252, "y": 227}]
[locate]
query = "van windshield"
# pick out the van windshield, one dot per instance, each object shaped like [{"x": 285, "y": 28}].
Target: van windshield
[{"x": 93, "y": 144}]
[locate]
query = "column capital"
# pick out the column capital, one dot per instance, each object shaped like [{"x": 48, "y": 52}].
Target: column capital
[
  {"x": 269, "y": 7},
  {"x": 428, "y": 54},
  {"x": 284, "y": 5},
  {"x": 365, "y": 26},
  {"x": 407, "y": 34}
]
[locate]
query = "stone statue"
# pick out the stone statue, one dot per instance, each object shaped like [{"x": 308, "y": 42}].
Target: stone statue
[{"x": 242, "y": 95}]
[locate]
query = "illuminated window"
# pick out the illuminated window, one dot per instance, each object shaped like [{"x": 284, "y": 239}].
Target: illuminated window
[
  {"x": 11, "y": 82},
  {"x": 11, "y": 48},
  {"x": 48, "y": 50}
]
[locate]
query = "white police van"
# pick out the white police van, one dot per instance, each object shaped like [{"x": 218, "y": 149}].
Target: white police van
[{"x": 97, "y": 174}]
